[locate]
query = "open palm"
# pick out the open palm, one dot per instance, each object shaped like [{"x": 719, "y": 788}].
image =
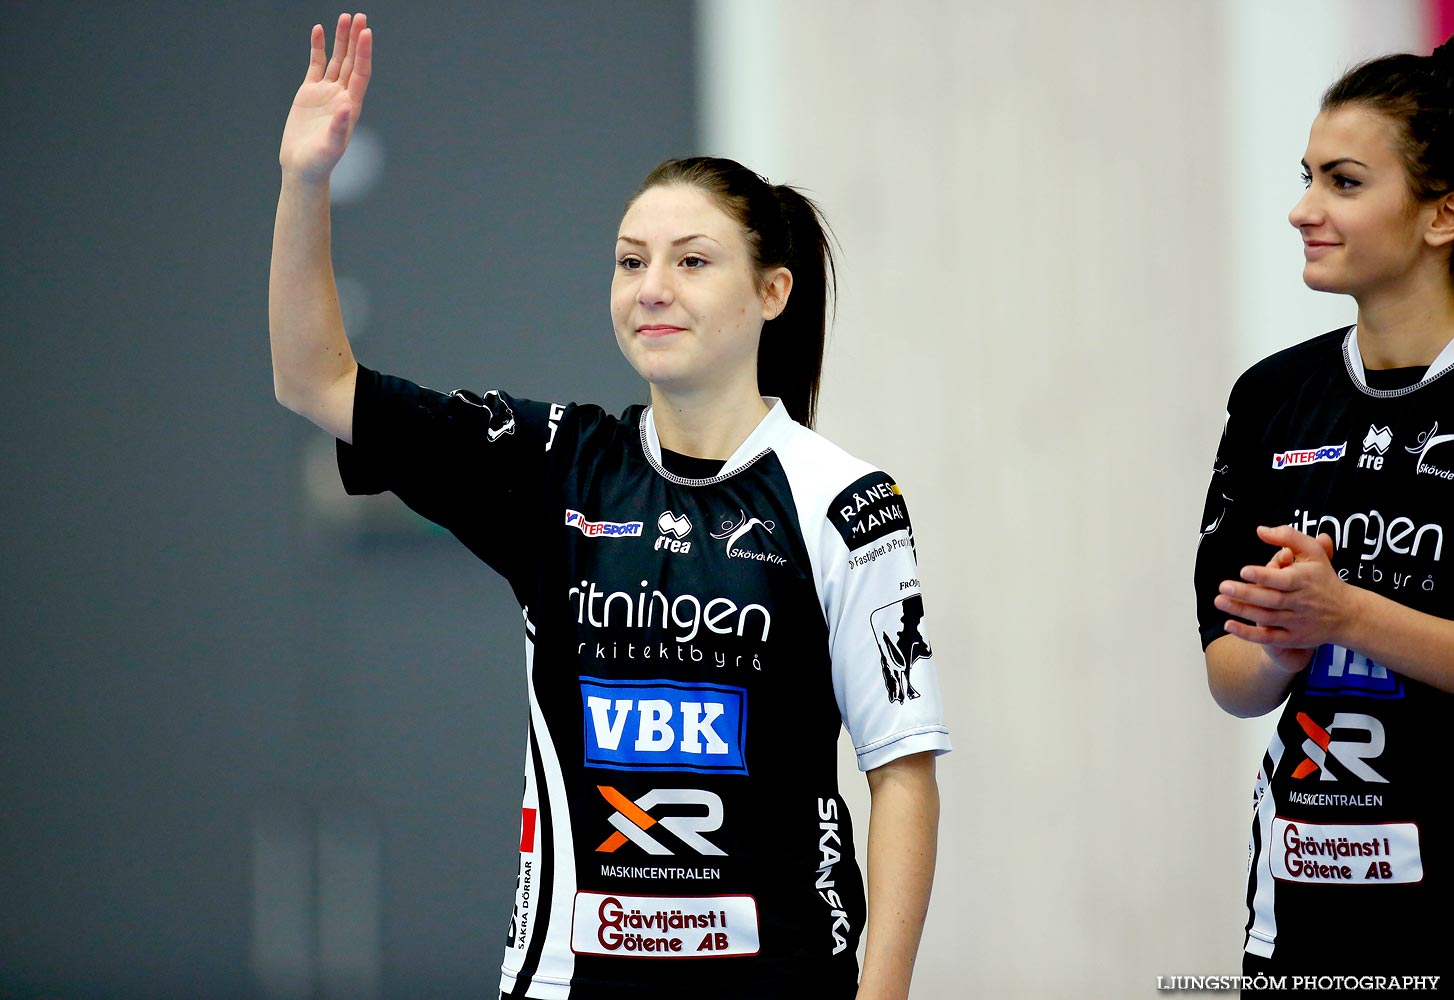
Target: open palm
[{"x": 328, "y": 104}]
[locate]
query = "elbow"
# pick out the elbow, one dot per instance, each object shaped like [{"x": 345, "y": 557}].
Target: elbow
[
  {"x": 286, "y": 395},
  {"x": 1234, "y": 692},
  {"x": 1222, "y": 693}
]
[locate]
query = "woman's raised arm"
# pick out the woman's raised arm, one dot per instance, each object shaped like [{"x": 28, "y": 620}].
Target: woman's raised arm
[{"x": 313, "y": 365}]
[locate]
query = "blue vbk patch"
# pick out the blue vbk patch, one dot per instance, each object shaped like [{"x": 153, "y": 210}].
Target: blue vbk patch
[
  {"x": 1336, "y": 670},
  {"x": 663, "y": 725},
  {"x": 868, "y": 510}
]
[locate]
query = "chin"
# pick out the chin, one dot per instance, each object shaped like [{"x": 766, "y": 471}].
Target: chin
[{"x": 1320, "y": 281}]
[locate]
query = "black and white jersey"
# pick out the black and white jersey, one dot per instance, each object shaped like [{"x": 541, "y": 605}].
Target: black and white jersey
[
  {"x": 1348, "y": 866},
  {"x": 693, "y": 647}
]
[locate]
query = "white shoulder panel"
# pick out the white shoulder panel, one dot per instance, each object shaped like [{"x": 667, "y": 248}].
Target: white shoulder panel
[{"x": 861, "y": 546}]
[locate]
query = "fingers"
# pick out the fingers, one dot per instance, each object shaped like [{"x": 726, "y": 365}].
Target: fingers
[
  {"x": 358, "y": 81},
  {"x": 1303, "y": 546},
  {"x": 317, "y": 59},
  {"x": 1280, "y": 579},
  {"x": 1326, "y": 541},
  {"x": 1259, "y": 634},
  {"x": 351, "y": 55},
  {"x": 340, "y": 48},
  {"x": 1261, "y": 606}
]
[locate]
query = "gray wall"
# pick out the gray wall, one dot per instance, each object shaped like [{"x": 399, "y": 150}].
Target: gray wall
[{"x": 200, "y": 666}]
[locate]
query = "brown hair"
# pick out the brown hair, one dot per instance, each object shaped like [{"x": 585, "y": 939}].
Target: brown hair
[{"x": 1416, "y": 93}]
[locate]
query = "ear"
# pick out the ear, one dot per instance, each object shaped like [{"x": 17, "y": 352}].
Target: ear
[
  {"x": 1440, "y": 232},
  {"x": 775, "y": 291}
]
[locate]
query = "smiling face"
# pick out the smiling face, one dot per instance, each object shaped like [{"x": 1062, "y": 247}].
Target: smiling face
[
  {"x": 1362, "y": 229},
  {"x": 687, "y": 302}
]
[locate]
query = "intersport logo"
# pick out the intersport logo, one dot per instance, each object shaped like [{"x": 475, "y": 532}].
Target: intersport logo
[
  {"x": 1308, "y": 456},
  {"x": 602, "y": 529}
]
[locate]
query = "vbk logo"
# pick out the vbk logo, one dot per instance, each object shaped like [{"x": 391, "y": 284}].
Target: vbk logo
[
  {"x": 633, "y": 819},
  {"x": 1336, "y": 670},
  {"x": 663, "y": 725},
  {"x": 1320, "y": 745},
  {"x": 1375, "y": 443},
  {"x": 673, "y": 528}
]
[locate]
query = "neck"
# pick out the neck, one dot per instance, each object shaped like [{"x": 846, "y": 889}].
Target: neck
[
  {"x": 1407, "y": 326},
  {"x": 705, "y": 424}
]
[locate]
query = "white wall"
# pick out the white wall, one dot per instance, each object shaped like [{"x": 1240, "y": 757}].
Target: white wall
[{"x": 1063, "y": 231}]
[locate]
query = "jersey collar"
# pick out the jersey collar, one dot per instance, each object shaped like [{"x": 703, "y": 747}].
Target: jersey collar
[
  {"x": 1354, "y": 361},
  {"x": 768, "y": 430}
]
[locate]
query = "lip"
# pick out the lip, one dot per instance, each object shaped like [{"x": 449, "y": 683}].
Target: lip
[
  {"x": 1313, "y": 249},
  {"x": 658, "y": 330}
]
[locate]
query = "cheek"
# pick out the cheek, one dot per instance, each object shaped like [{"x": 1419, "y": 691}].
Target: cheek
[{"x": 621, "y": 300}]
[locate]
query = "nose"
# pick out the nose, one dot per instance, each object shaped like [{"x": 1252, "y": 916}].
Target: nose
[
  {"x": 655, "y": 288},
  {"x": 1307, "y": 212}
]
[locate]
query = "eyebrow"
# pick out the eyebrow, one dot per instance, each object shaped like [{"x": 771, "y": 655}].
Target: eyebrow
[
  {"x": 676, "y": 242},
  {"x": 1335, "y": 164}
]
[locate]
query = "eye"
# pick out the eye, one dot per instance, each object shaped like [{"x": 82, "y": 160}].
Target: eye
[
  {"x": 1345, "y": 183},
  {"x": 1307, "y": 179},
  {"x": 692, "y": 262},
  {"x": 630, "y": 263}
]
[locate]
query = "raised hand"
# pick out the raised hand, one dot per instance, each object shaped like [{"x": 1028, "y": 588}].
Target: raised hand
[
  {"x": 1296, "y": 602},
  {"x": 327, "y": 105}
]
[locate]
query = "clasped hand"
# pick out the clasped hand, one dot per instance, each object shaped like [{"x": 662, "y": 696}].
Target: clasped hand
[{"x": 1296, "y": 602}]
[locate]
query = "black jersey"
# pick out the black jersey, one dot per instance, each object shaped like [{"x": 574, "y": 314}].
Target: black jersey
[
  {"x": 1348, "y": 867},
  {"x": 692, "y": 648}
]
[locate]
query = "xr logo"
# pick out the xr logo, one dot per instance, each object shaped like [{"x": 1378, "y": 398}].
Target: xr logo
[
  {"x": 633, "y": 819},
  {"x": 1319, "y": 746}
]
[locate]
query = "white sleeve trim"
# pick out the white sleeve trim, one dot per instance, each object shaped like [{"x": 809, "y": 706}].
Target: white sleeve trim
[{"x": 910, "y": 741}]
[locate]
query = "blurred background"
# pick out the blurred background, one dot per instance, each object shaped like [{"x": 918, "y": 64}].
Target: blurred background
[{"x": 259, "y": 741}]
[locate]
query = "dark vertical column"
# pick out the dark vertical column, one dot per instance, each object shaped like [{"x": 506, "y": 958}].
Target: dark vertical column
[{"x": 215, "y": 694}]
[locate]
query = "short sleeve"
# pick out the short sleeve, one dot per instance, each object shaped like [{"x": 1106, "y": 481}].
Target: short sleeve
[
  {"x": 883, "y": 658},
  {"x": 472, "y": 463},
  {"x": 1230, "y": 515}
]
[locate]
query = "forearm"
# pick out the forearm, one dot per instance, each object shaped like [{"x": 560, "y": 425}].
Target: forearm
[
  {"x": 903, "y": 835},
  {"x": 1243, "y": 679},
  {"x": 311, "y": 353},
  {"x": 1410, "y": 642}
]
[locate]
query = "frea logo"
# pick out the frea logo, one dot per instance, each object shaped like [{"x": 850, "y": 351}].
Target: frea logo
[
  {"x": 663, "y": 725},
  {"x": 1375, "y": 443}
]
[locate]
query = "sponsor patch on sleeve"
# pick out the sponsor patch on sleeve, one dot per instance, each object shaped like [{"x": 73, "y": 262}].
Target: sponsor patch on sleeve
[
  {"x": 500, "y": 419},
  {"x": 868, "y": 510}
]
